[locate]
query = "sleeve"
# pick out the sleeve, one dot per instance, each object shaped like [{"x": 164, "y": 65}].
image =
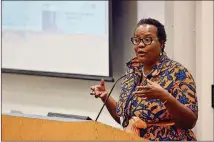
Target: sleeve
[
  {"x": 184, "y": 89},
  {"x": 122, "y": 97},
  {"x": 126, "y": 85}
]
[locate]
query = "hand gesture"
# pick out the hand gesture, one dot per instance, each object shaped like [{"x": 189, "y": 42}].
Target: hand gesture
[
  {"x": 151, "y": 91},
  {"x": 99, "y": 91}
]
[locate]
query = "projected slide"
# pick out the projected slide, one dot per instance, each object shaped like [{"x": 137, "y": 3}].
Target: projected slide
[
  {"x": 55, "y": 16},
  {"x": 56, "y": 36}
]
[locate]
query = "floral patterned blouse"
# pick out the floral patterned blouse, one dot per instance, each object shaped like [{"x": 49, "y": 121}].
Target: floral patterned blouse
[{"x": 173, "y": 77}]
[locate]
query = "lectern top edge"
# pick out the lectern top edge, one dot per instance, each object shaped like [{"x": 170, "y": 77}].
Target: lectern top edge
[{"x": 46, "y": 117}]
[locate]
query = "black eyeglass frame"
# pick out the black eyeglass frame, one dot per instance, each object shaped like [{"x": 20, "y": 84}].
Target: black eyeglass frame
[{"x": 142, "y": 40}]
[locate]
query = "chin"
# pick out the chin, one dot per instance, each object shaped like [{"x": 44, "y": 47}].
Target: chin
[{"x": 141, "y": 59}]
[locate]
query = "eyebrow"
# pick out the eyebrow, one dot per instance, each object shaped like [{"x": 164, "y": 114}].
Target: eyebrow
[{"x": 147, "y": 35}]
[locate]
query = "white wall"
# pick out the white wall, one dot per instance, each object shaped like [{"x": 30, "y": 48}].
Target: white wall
[
  {"x": 184, "y": 34},
  {"x": 190, "y": 35},
  {"x": 190, "y": 26},
  {"x": 0, "y": 74},
  {"x": 204, "y": 68},
  {"x": 152, "y": 9}
]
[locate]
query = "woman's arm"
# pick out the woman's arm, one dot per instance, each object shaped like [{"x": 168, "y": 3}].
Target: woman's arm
[
  {"x": 100, "y": 91},
  {"x": 182, "y": 115},
  {"x": 111, "y": 106},
  {"x": 182, "y": 102}
]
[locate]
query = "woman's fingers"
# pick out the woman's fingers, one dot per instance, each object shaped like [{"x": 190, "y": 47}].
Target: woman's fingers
[
  {"x": 103, "y": 94},
  {"x": 96, "y": 88},
  {"x": 99, "y": 90},
  {"x": 97, "y": 94},
  {"x": 142, "y": 95},
  {"x": 102, "y": 83},
  {"x": 144, "y": 87},
  {"x": 142, "y": 92},
  {"x": 92, "y": 93},
  {"x": 100, "y": 94},
  {"x": 92, "y": 90}
]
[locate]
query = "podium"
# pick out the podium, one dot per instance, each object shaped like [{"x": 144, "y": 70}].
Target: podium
[{"x": 32, "y": 127}]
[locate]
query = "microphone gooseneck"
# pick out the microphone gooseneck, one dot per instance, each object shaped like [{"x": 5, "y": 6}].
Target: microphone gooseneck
[{"x": 108, "y": 96}]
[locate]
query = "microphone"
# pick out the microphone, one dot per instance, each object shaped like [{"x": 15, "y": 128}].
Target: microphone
[{"x": 108, "y": 96}]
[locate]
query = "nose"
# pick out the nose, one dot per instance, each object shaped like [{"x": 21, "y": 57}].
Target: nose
[{"x": 141, "y": 44}]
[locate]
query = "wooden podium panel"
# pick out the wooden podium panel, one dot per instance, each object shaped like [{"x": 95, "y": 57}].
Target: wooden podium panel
[{"x": 26, "y": 128}]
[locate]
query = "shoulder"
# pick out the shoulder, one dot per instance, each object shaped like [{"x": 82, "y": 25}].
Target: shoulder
[{"x": 180, "y": 71}]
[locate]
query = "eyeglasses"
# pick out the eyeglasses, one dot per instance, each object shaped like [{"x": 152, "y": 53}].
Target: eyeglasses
[{"x": 146, "y": 41}]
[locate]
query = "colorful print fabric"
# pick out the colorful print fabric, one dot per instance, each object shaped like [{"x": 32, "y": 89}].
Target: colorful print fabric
[{"x": 172, "y": 76}]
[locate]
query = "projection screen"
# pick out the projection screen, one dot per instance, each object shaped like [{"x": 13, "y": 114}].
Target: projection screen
[{"x": 56, "y": 38}]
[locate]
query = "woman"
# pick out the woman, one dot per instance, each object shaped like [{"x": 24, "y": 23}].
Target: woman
[{"x": 156, "y": 90}]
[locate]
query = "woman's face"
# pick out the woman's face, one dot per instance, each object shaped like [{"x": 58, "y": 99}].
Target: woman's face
[{"x": 146, "y": 44}]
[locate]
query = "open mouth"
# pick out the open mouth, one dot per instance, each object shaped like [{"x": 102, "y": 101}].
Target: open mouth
[{"x": 141, "y": 53}]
